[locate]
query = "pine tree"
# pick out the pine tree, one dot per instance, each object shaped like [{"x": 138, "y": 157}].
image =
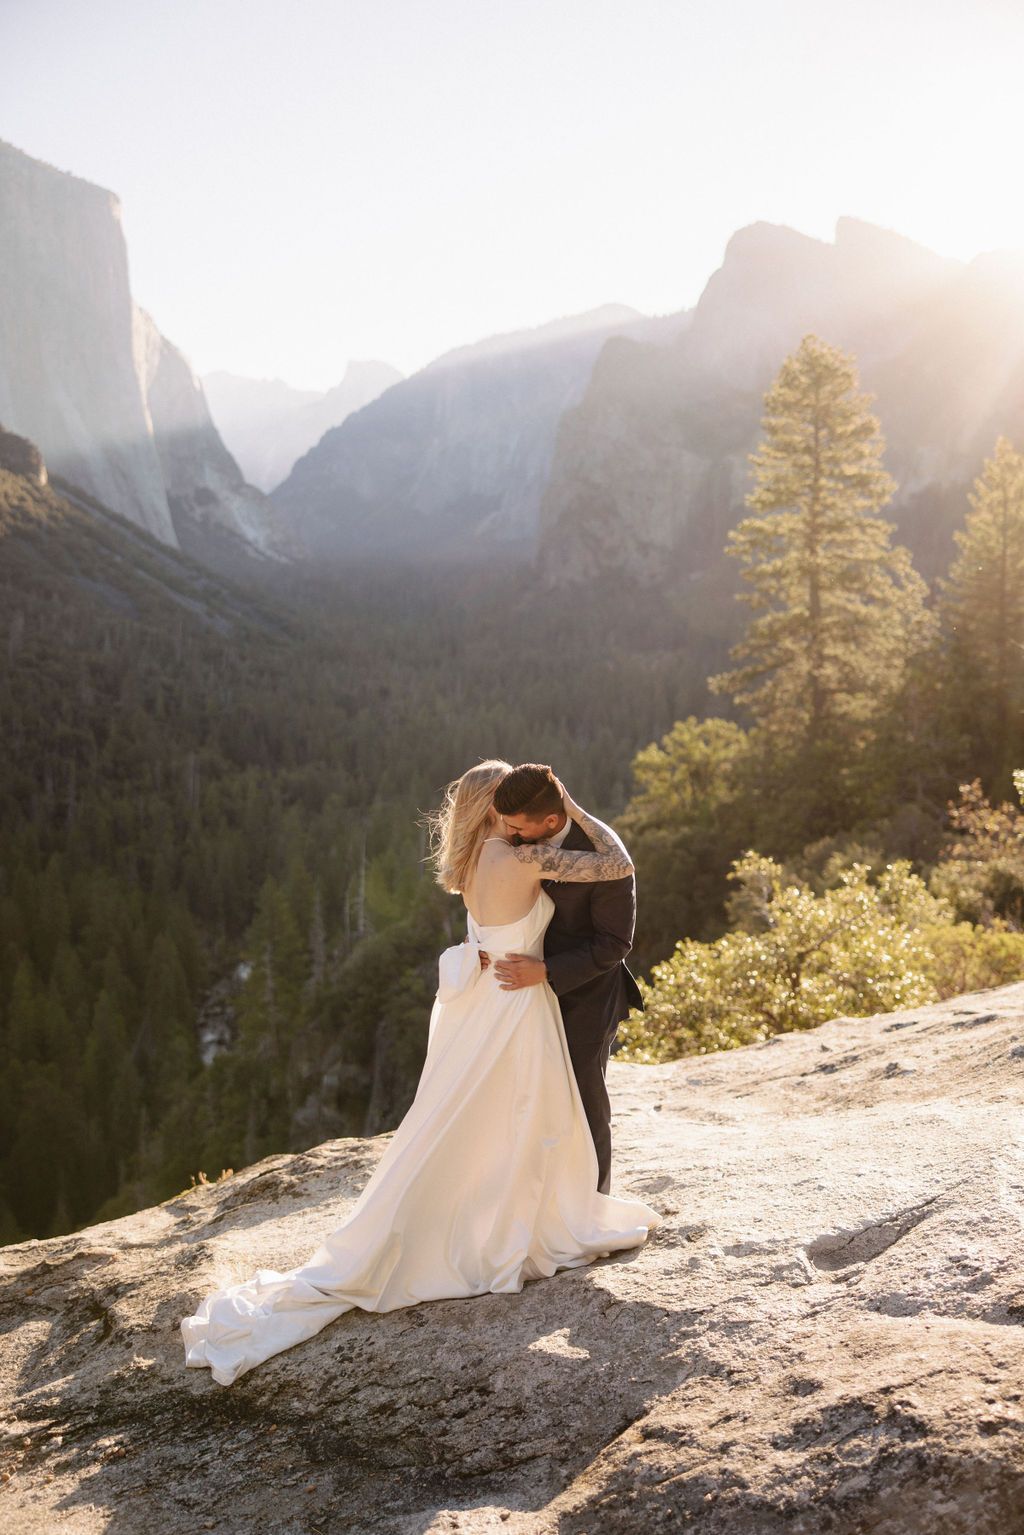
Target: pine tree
[
  {"x": 837, "y": 607},
  {"x": 166, "y": 1049},
  {"x": 983, "y": 615},
  {"x": 689, "y": 817},
  {"x": 272, "y": 1013}
]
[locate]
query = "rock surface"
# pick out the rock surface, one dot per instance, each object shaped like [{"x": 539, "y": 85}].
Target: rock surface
[
  {"x": 86, "y": 375},
  {"x": 208, "y": 499},
  {"x": 19, "y": 456},
  {"x": 824, "y": 1335}
]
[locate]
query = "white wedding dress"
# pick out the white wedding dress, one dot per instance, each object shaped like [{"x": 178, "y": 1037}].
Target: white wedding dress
[{"x": 490, "y": 1179}]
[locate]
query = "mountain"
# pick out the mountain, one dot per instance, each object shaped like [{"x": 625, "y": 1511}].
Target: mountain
[
  {"x": 210, "y": 503},
  {"x": 267, "y": 425},
  {"x": 602, "y": 444},
  {"x": 86, "y": 374},
  {"x": 822, "y": 1335},
  {"x": 453, "y": 462},
  {"x": 651, "y": 469}
]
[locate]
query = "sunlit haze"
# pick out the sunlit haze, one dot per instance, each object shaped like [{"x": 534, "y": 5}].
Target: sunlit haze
[{"x": 303, "y": 184}]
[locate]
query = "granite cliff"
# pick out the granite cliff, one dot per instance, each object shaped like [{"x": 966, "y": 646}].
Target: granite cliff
[
  {"x": 650, "y": 469},
  {"x": 85, "y": 374},
  {"x": 605, "y": 443},
  {"x": 267, "y": 426},
  {"x": 453, "y": 462},
  {"x": 824, "y": 1335}
]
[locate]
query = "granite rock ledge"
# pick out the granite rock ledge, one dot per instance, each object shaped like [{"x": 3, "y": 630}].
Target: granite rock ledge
[{"x": 826, "y": 1333}]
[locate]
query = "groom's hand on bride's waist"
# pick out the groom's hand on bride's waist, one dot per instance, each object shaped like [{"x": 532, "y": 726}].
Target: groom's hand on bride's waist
[{"x": 514, "y": 971}]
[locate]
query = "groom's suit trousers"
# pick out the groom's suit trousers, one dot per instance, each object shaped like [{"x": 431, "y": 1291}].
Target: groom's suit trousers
[{"x": 585, "y": 946}]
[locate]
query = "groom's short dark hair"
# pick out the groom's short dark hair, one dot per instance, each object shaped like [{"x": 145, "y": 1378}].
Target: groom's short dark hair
[{"x": 530, "y": 790}]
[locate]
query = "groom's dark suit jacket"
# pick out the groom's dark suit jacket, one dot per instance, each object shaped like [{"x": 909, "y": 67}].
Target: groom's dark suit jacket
[
  {"x": 585, "y": 946},
  {"x": 587, "y": 940}
]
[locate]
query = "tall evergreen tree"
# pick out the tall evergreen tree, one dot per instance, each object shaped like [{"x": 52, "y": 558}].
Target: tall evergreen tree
[
  {"x": 983, "y": 615},
  {"x": 690, "y": 816},
  {"x": 836, "y": 606}
]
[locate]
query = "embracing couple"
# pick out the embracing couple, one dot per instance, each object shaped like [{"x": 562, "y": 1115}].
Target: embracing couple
[
  {"x": 589, "y": 934},
  {"x": 499, "y": 1172}
]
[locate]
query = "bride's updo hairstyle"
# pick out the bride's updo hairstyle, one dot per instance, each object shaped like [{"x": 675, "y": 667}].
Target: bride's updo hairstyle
[{"x": 458, "y": 829}]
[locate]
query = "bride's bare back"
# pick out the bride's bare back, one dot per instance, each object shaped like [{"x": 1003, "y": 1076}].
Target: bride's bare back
[{"x": 501, "y": 889}]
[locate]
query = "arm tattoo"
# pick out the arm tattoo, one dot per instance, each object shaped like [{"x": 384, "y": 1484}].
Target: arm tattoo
[{"x": 609, "y": 860}]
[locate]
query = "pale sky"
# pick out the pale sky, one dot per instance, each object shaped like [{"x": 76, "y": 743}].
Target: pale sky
[{"x": 304, "y": 182}]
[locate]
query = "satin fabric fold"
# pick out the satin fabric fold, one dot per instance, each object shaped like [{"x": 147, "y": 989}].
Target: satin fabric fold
[
  {"x": 458, "y": 968},
  {"x": 489, "y": 1181}
]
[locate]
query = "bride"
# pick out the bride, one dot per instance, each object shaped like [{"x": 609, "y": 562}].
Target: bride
[{"x": 490, "y": 1179}]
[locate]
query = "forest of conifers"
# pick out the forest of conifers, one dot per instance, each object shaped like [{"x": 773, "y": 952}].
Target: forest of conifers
[
  {"x": 218, "y": 931},
  {"x": 195, "y": 775}
]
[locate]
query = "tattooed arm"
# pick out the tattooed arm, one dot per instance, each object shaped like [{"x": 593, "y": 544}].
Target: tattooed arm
[
  {"x": 612, "y": 905},
  {"x": 609, "y": 860}
]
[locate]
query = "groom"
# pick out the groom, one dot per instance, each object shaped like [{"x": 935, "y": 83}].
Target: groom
[{"x": 586, "y": 942}]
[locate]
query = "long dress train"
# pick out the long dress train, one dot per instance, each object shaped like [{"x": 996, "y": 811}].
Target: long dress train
[{"x": 490, "y": 1179}]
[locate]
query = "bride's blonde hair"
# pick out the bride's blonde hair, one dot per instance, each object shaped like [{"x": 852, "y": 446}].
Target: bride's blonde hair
[{"x": 458, "y": 829}]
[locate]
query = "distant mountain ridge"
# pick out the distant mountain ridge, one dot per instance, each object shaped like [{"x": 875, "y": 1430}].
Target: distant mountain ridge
[
  {"x": 599, "y": 444},
  {"x": 609, "y": 443},
  {"x": 86, "y": 374},
  {"x": 607, "y": 317},
  {"x": 651, "y": 469},
  {"x": 267, "y": 425},
  {"x": 453, "y": 462}
]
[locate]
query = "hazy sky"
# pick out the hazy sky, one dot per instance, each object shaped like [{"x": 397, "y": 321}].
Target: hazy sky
[{"x": 309, "y": 181}]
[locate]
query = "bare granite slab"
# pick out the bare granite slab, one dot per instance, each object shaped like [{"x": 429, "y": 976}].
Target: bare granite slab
[{"x": 825, "y": 1335}]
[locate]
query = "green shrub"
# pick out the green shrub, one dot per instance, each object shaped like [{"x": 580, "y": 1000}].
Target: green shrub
[
  {"x": 857, "y": 949},
  {"x": 981, "y": 873},
  {"x": 965, "y": 958}
]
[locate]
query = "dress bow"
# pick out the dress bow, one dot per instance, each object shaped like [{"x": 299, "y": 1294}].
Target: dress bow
[{"x": 457, "y": 970}]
